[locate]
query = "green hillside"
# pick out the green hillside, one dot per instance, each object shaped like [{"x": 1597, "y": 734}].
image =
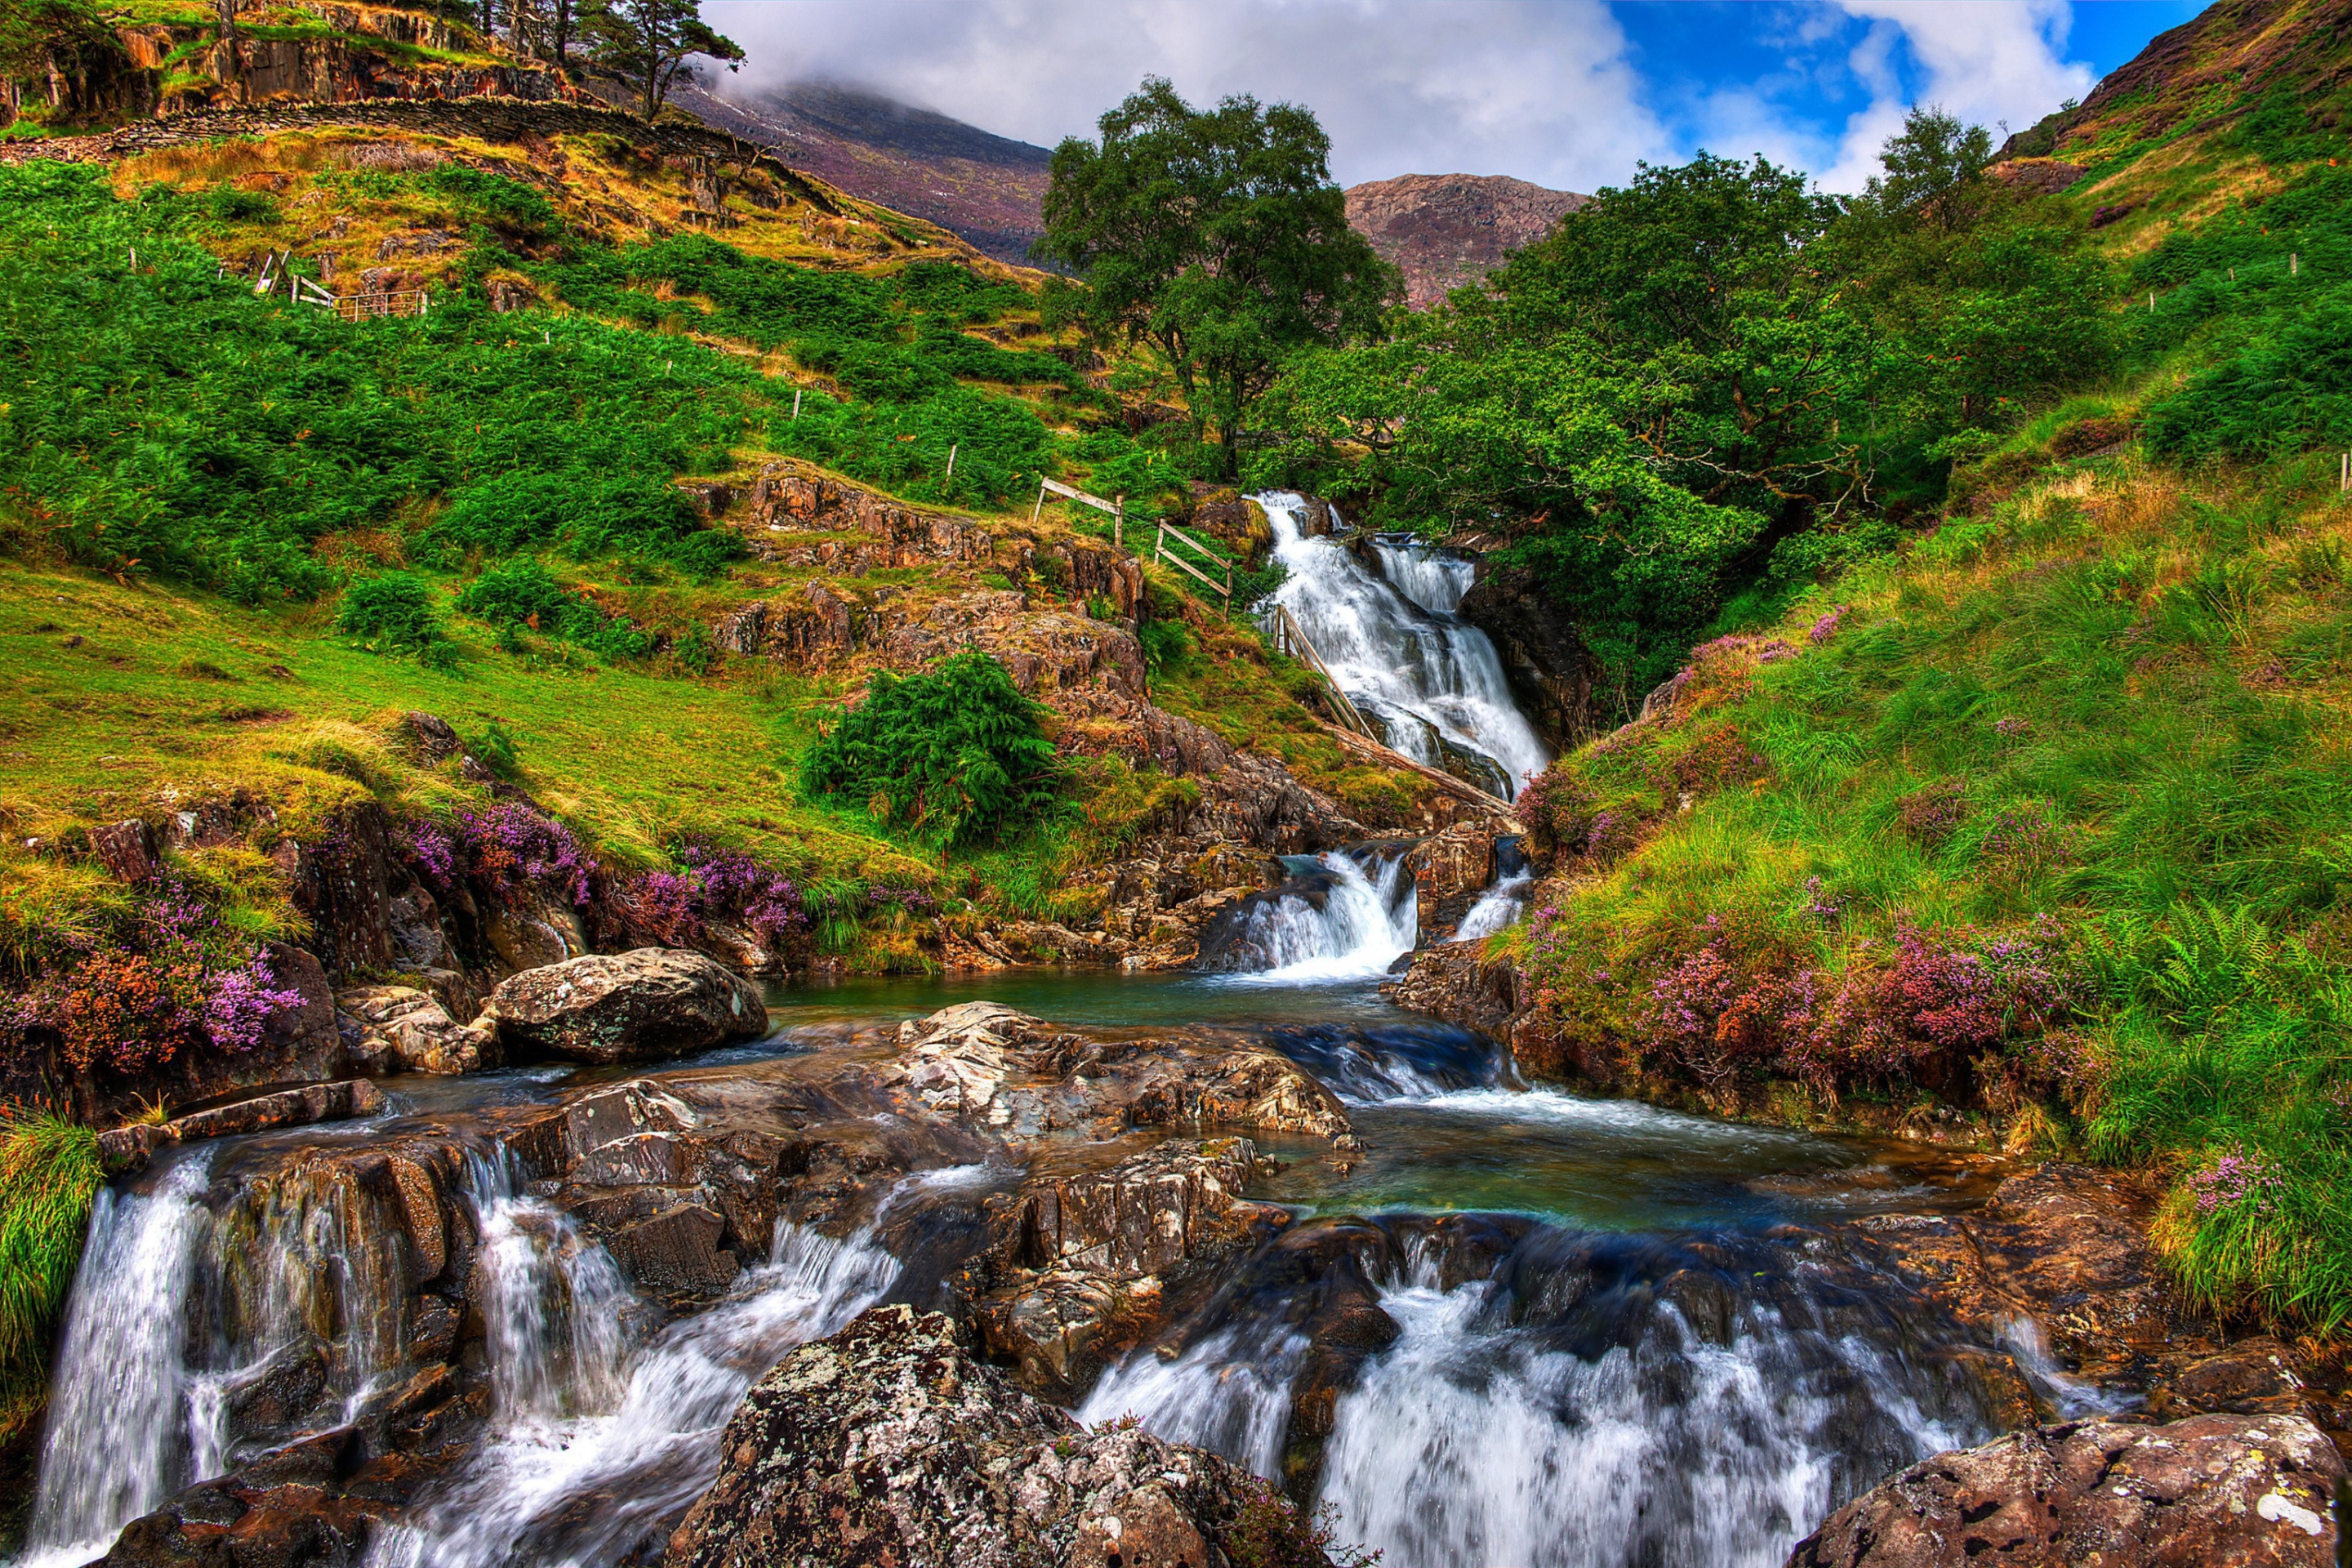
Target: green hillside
[{"x": 2044, "y": 817}]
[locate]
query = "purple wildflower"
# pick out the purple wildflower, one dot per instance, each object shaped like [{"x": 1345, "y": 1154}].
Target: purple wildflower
[{"x": 242, "y": 1002}]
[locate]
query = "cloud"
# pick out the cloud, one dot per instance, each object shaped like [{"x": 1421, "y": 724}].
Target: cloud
[
  {"x": 1539, "y": 91},
  {"x": 1985, "y": 62},
  {"x": 1545, "y": 89}
]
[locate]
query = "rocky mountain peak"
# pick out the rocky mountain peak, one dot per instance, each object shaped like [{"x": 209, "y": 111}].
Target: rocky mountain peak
[{"x": 1446, "y": 230}]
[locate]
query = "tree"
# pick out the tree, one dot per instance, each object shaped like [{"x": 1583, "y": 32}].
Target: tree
[
  {"x": 1216, "y": 236},
  {"x": 649, "y": 42},
  {"x": 1934, "y": 172}
]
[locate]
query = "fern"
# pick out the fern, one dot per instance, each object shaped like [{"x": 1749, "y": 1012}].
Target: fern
[{"x": 954, "y": 754}]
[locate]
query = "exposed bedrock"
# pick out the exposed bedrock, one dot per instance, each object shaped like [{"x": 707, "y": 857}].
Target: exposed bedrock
[
  {"x": 1551, "y": 673},
  {"x": 2213, "y": 1491},
  {"x": 890, "y": 1445}
]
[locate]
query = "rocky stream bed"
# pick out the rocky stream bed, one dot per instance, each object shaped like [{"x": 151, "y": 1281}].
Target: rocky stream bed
[{"x": 976, "y": 1287}]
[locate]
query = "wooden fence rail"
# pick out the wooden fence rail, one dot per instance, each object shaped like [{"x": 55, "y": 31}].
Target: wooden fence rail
[
  {"x": 1290, "y": 638},
  {"x": 1116, "y": 506},
  {"x": 1160, "y": 552}
]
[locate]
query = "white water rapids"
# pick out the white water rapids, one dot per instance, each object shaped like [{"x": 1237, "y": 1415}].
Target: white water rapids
[
  {"x": 1399, "y": 651},
  {"x": 1338, "y": 922},
  {"x": 581, "y": 1413}
]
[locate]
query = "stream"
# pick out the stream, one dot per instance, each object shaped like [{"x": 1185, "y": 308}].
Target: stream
[{"x": 1606, "y": 1336}]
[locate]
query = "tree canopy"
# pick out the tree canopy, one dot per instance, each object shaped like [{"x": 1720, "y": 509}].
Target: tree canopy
[
  {"x": 650, "y": 43},
  {"x": 1215, "y": 236},
  {"x": 1713, "y": 381}
]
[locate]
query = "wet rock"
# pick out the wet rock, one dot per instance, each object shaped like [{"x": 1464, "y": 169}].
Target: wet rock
[
  {"x": 1144, "y": 1214},
  {"x": 643, "y": 1006},
  {"x": 2062, "y": 1245},
  {"x": 398, "y": 1028},
  {"x": 676, "y": 1251},
  {"x": 128, "y": 1148},
  {"x": 1543, "y": 651},
  {"x": 889, "y": 1444},
  {"x": 2213, "y": 1491}
]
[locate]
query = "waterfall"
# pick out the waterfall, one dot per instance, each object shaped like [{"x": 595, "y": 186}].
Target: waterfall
[
  {"x": 118, "y": 1440},
  {"x": 1591, "y": 1402},
  {"x": 1230, "y": 1394},
  {"x": 179, "y": 1311},
  {"x": 586, "y": 1466},
  {"x": 1503, "y": 902},
  {"x": 1432, "y": 680},
  {"x": 1332, "y": 921},
  {"x": 1428, "y": 576},
  {"x": 554, "y": 1305}
]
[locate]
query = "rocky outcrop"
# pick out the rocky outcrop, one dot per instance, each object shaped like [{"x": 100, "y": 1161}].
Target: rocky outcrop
[
  {"x": 2214, "y": 1491},
  {"x": 889, "y": 1444},
  {"x": 983, "y": 1062},
  {"x": 398, "y": 1028},
  {"x": 129, "y": 1148},
  {"x": 1449, "y": 869},
  {"x": 645, "y": 1006}
]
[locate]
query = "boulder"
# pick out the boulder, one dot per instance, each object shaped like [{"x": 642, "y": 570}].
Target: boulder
[
  {"x": 2213, "y": 1491},
  {"x": 643, "y": 1006},
  {"x": 889, "y": 1444},
  {"x": 398, "y": 1028}
]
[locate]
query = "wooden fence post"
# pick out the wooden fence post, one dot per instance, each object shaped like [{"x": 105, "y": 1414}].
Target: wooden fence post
[
  {"x": 1118, "y": 522},
  {"x": 796, "y": 405},
  {"x": 1039, "y": 509},
  {"x": 951, "y": 452}
]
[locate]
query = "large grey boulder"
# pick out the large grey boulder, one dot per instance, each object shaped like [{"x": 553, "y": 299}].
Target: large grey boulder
[
  {"x": 889, "y": 1444},
  {"x": 2213, "y": 1491},
  {"x": 645, "y": 1006}
]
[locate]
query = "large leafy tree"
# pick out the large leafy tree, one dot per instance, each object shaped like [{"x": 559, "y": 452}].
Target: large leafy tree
[
  {"x": 652, "y": 44},
  {"x": 1217, "y": 238}
]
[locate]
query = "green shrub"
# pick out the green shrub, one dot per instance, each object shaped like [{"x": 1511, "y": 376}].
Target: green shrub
[
  {"x": 522, "y": 593},
  {"x": 955, "y": 754},
  {"x": 49, "y": 1172},
  {"x": 233, "y": 205},
  {"x": 396, "y": 611}
]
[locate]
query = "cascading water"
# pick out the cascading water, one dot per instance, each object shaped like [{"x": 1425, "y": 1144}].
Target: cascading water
[
  {"x": 181, "y": 1312},
  {"x": 1582, "y": 1402},
  {"x": 1501, "y": 904},
  {"x": 598, "y": 1443},
  {"x": 1432, "y": 578},
  {"x": 116, "y": 1439},
  {"x": 1333, "y": 920},
  {"x": 1432, "y": 680}
]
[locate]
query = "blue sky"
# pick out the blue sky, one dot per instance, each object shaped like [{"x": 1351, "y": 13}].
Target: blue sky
[{"x": 1567, "y": 93}]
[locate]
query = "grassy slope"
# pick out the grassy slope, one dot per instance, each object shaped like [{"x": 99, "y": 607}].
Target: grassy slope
[
  {"x": 2111, "y": 692},
  {"x": 252, "y": 452}
]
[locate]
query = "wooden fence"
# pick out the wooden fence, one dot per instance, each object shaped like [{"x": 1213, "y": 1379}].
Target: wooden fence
[
  {"x": 1116, "y": 506},
  {"x": 278, "y": 273},
  {"x": 1160, "y": 551}
]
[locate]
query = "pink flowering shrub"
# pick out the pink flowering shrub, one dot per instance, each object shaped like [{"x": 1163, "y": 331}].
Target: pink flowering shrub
[
  {"x": 172, "y": 978},
  {"x": 2240, "y": 1182},
  {"x": 676, "y": 906},
  {"x": 507, "y": 845},
  {"x": 1922, "y": 1010},
  {"x": 1822, "y": 630}
]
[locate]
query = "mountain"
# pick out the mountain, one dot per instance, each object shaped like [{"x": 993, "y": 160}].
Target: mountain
[
  {"x": 985, "y": 188},
  {"x": 1445, "y": 230}
]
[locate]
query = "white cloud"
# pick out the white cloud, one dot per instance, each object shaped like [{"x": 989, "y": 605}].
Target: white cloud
[
  {"x": 1540, "y": 88},
  {"x": 1985, "y": 61},
  {"x": 1539, "y": 91}
]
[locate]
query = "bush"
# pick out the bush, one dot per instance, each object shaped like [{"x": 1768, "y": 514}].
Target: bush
[
  {"x": 955, "y": 754},
  {"x": 522, "y": 593},
  {"x": 395, "y": 610}
]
